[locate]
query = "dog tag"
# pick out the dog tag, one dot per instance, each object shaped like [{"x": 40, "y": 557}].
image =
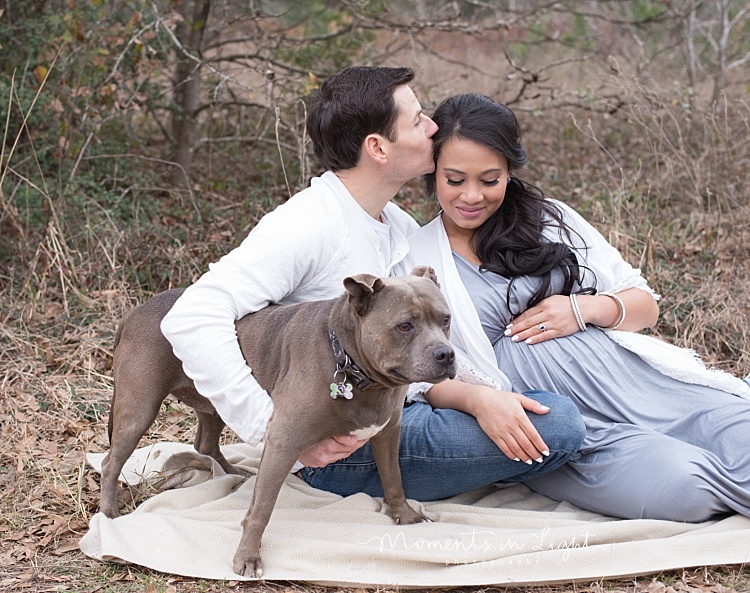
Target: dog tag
[{"x": 341, "y": 390}]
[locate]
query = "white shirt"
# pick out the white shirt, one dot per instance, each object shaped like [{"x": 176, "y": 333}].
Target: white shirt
[{"x": 301, "y": 251}]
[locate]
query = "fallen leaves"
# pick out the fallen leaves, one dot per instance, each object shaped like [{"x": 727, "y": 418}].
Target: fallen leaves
[{"x": 688, "y": 585}]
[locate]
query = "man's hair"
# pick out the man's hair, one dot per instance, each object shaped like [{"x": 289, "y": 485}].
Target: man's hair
[{"x": 349, "y": 106}]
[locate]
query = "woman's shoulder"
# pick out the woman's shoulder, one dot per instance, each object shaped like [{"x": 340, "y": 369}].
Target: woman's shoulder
[
  {"x": 429, "y": 229},
  {"x": 564, "y": 223},
  {"x": 426, "y": 237}
]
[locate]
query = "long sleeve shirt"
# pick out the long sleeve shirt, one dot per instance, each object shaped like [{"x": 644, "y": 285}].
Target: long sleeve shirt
[{"x": 301, "y": 251}]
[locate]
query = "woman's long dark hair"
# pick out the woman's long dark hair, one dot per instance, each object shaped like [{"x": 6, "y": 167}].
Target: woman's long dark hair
[{"x": 510, "y": 242}]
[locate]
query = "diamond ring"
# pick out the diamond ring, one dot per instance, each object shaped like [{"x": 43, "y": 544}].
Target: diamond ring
[{"x": 542, "y": 327}]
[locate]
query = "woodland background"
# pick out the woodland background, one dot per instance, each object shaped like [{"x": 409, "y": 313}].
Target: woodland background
[{"x": 142, "y": 139}]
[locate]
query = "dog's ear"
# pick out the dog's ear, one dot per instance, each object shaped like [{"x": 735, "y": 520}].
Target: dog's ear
[
  {"x": 426, "y": 272},
  {"x": 361, "y": 289}
]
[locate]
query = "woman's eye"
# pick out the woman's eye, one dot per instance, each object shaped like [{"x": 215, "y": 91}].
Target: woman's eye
[
  {"x": 454, "y": 181},
  {"x": 491, "y": 182}
]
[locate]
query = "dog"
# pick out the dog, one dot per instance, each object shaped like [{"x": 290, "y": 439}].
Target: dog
[{"x": 332, "y": 367}]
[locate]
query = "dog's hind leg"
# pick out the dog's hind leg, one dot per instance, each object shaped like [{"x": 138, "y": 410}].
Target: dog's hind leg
[
  {"x": 145, "y": 371},
  {"x": 210, "y": 426},
  {"x": 129, "y": 423}
]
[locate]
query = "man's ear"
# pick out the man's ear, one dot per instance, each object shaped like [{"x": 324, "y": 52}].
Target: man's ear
[
  {"x": 374, "y": 148},
  {"x": 362, "y": 289}
]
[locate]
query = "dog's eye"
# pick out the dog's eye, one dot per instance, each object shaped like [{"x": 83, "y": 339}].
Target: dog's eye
[
  {"x": 447, "y": 321},
  {"x": 405, "y": 327}
]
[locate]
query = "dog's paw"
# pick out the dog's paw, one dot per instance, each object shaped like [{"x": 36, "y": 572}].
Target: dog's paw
[
  {"x": 237, "y": 471},
  {"x": 247, "y": 566},
  {"x": 405, "y": 515}
]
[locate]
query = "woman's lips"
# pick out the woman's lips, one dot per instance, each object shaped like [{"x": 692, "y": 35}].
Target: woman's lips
[{"x": 469, "y": 212}]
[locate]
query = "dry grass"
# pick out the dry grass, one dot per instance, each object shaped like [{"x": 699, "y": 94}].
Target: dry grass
[{"x": 667, "y": 187}]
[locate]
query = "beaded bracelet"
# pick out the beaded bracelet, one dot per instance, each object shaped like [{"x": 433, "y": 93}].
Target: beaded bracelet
[
  {"x": 577, "y": 312},
  {"x": 619, "y": 304}
]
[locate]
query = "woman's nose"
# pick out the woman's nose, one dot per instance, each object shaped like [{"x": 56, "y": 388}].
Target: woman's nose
[{"x": 473, "y": 194}]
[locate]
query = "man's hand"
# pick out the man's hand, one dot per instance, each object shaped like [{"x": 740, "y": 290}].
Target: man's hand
[{"x": 330, "y": 450}]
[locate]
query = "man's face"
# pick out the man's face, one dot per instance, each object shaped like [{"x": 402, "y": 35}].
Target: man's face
[{"x": 411, "y": 152}]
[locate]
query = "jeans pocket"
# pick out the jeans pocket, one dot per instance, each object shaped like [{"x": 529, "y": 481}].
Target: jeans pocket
[{"x": 307, "y": 473}]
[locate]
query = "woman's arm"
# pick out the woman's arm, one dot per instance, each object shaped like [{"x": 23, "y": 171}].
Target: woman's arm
[
  {"x": 641, "y": 310},
  {"x": 500, "y": 414},
  {"x": 556, "y": 314}
]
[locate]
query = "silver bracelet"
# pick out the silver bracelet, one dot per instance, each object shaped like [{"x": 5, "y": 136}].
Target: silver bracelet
[
  {"x": 577, "y": 312},
  {"x": 620, "y": 304}
]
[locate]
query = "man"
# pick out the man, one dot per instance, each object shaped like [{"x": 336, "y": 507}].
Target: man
[{"x": 368, "y": 130}]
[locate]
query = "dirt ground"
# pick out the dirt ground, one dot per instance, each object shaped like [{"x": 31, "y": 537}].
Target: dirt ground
[{"x": 56, "y": 385}]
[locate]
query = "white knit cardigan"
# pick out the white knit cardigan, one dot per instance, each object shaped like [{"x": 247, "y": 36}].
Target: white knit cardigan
[{"x": 430, "y": 246}]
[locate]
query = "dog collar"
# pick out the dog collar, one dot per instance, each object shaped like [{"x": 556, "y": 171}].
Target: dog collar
[{"x": 348, "y": 368}]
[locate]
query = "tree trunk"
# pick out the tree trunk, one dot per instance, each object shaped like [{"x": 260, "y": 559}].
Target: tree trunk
[{"x": 187, "y": 88}]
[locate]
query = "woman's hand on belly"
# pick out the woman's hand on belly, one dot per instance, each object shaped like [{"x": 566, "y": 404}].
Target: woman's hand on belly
[
  {"x": 630, "y": 310},
  {"x": 551, "y": 318}
]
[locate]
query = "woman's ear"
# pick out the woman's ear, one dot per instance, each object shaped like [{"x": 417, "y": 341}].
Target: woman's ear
[{"x": 375, "y": 148}]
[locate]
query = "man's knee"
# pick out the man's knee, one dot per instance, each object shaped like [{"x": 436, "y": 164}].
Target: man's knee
[{"x": 562, "y": 428}]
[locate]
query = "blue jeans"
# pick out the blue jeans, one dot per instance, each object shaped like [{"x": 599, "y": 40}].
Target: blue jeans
[{"x": 445, "y": 452}]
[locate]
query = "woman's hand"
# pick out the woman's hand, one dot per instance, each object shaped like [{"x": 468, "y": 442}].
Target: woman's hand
[
  {"x": 551, "y": 318},
  {"x": 554, "y": 318},
  {"x": 500, "y": 414},
  {"x": 330, "y": 450}
]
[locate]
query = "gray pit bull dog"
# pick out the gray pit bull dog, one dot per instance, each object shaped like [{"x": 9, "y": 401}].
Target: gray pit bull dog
[{"x": 332, "y": 367}]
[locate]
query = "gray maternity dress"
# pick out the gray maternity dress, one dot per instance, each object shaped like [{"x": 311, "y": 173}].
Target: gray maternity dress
[{"x": 655, "y": 447}]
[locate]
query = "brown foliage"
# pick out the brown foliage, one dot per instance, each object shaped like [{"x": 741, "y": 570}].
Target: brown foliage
[{"x": 658, "y": 168}]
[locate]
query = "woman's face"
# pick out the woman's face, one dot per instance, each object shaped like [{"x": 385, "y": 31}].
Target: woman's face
[{"x": 470, "y": 182}]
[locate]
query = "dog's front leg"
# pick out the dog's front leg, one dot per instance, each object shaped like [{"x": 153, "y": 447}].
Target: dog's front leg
[
  {"x": 275, "y": 465},
  {"x": 385, "y": 448}
]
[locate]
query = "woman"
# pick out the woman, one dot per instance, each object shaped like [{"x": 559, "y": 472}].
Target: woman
[{"x": 541, "y": 300}]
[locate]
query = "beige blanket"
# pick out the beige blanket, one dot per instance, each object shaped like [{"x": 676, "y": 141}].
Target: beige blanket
[{"x": 486, "y": 537}]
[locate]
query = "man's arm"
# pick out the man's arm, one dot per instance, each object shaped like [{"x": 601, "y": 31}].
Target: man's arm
[
  {"x": 271, "y": 264},
  {"x": 200, "y": 328}
]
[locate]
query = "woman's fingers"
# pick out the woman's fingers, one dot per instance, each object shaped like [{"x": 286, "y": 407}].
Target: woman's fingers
[
  {"x": 520, "y": 447},
  {"x": 530, "y": 442},
  {"x": 550, "y": 319},
  {"x": 531, "y": 405},
  {"x": 506, "y": 423}
]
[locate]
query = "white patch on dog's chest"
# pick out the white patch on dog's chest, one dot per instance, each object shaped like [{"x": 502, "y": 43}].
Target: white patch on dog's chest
[{"x": 368, "y": 432}]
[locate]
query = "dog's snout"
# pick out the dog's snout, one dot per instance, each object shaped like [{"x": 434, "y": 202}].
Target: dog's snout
[{"x": 444, "y": 354}]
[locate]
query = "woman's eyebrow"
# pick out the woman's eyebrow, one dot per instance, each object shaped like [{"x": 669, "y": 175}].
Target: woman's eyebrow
[{"x": 454, "y": 170}]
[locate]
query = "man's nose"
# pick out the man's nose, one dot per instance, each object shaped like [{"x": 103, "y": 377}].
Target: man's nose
[{"x": 432, "y": 127}]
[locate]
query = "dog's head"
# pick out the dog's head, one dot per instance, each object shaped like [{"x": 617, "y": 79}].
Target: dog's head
[{"x": 402, "y": 327}]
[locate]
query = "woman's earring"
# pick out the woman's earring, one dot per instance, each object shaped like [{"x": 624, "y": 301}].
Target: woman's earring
[{"x": 508, "y": 179}]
